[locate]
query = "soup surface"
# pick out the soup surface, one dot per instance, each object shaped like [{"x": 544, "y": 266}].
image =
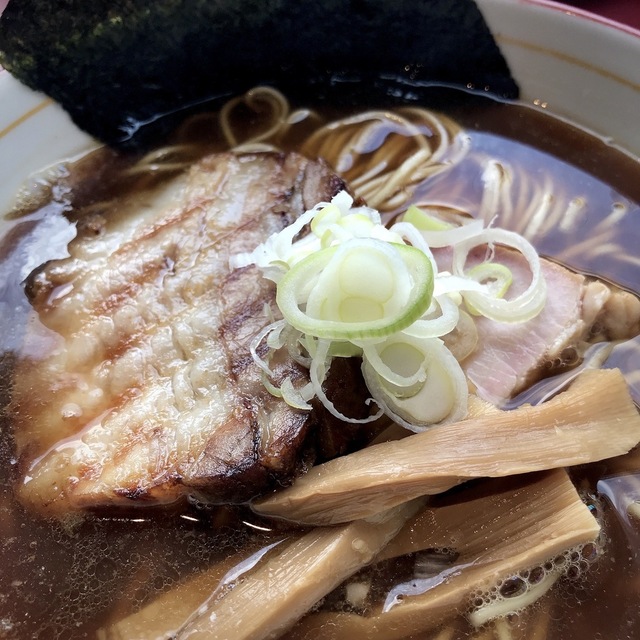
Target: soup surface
[{"x": 573, "y": 196}]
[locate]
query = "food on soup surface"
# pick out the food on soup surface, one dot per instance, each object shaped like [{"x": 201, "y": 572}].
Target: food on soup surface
[
  {"x": 150, "y": 393},
  {"x": 522, "y": 525},
  {"x": 465, "y": 556},
  {"x": 568, "y": 430},
  {"x": 509, "y": 358},
  {"x": 159, "y": 363},
  {"x": 154, "y": 389}
]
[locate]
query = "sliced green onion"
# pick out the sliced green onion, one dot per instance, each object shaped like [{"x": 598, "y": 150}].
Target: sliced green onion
[
  {"x": 292, "y": 396},
  {"x": 326, "y": 217},
  {"x": 497, "y": 278},
  {"x": 441, "y": 398},
  {"x": 362, "y": 289},
  {"x": 438, "y": 233},
  {"x": 398, "y": 363},
  {"x": 318, "y": 373},
  {"x": 337, "y": 348},
  {"x": 435, "y": 327},
  {"x": 255, "y": 343},
  {"x": 451, "y": 237},
  {"x": 518, "y": 309},
  {"x": 451, "y": 285},
  {"x": 498, "y": 275},
  {"x": 422, "y": 221},
  {"x": 275, "y": 339},
  {"x": 349, "y": 287}
]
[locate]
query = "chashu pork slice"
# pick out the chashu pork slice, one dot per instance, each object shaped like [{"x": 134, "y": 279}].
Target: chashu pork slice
[
  {"x": 510, "y": 357},
  {"x": 149, "y": 393}
]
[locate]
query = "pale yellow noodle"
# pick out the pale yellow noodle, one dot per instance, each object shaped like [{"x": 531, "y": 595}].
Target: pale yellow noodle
[
  {"x": 541, "y": 624},
  {"x": 444, "y": 634},
  {"x": 503, "y": 629},
  {"x": 258, "y": 100},
  {"x": 634, "y": 510},
  {"x": 417, "y": 141},
  {"x": 163, "y": 159},
  {"x": 417, "y": 144}
]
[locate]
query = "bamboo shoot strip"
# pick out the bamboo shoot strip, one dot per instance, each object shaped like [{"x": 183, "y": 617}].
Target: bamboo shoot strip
[
  {"x": 594, "y": 419},
  {"x": 161, "y": 618},
  {"x": 292, "y": 578},
  {"x": 496, "y": 536}
]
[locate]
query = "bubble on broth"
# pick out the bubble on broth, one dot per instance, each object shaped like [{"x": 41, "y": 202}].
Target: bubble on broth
[
  {"x": 565, "y": 574},
  {"x": 63, "y": 580},
  {"x": 572, "y": 565},
  {"x": 73, "y": 571}
]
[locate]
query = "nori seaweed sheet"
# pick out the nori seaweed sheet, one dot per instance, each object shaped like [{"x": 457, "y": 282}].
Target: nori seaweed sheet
[{"x": 117, "y": 65}]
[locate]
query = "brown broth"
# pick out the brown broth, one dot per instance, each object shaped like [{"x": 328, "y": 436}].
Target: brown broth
[{"x": 68, "y": 579}]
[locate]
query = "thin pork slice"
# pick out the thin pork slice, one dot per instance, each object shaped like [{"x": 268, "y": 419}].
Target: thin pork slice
[
  {"x": 510, "y": 357},
  {"x": 149, "y": 393}
]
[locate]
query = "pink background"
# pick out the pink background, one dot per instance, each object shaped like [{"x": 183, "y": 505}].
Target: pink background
[{"x": 625, "y": 11}]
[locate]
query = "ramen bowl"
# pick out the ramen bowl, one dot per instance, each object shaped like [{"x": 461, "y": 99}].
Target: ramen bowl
[{"x": 582, "y": 71}]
